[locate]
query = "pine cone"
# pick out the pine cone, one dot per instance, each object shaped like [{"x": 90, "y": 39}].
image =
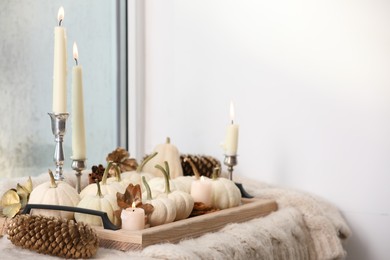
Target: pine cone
[
  {"x": 122, "y": 158},
  {"x": 53, "y": 236},
  {"x": 204, "y": 164},
  {"x": 97, "y": 174}
]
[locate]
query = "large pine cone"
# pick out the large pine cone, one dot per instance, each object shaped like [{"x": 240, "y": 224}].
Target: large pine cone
[
  {"x": 204, "y": 164},
  {"x": 53, "y": 236}
]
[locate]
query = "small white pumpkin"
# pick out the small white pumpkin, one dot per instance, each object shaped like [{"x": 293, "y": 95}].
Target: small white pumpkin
[
  {"x": 186, "y": 181},
  {"x": 118, "y": 176},
  {"x": 135, "y": 177},
  {"x": 158, "y": 184},
  {"x": 54, "y": 193},
  {"x": 164, "y": 209},
  {"x": 183, "y": 200},
  {"x": 105, "y": 187},
  {"x": 166, "y": 152},
  {"x": 106, "y": 203},
  {"x": 225, "y": 193}
]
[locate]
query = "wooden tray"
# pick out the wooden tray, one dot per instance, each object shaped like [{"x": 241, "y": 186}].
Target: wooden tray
[
  {"x": 186, "y": 228},
  {"x": 179, "y": 230}
]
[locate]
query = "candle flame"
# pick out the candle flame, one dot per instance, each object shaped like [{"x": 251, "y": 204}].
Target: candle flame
[
  {"x": 75, "y": 52},
  {"x": 61, "y": 14},
  {"x": 133, "y": 205},
  {"x": 231, "y": 111}
]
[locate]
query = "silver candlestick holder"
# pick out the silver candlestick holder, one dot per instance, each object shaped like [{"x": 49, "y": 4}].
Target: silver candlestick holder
[
  {"x": 230, "y": 161},
  {"x": 78, "y": 165},
  {"x": 58, "y": 127}
]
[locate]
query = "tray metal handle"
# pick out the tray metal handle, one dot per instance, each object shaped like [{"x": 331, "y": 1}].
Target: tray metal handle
[{"x": 107, "y": 224}]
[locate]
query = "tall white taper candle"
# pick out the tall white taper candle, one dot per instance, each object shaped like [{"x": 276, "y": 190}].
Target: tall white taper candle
[
  {"x": 78, "y": 126},
  {"x": 231, "y": 140},
  {"x": 59, "y": 67}
]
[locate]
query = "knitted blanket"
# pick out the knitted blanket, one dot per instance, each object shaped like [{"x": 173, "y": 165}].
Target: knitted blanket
[{"x": 304, "y": 227}]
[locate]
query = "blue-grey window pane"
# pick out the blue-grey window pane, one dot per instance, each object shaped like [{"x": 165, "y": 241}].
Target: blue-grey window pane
[{"x": 26, "y": 71}]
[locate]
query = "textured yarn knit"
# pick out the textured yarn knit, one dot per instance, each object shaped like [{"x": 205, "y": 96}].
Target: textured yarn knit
[{"x": 304, "y": 227}]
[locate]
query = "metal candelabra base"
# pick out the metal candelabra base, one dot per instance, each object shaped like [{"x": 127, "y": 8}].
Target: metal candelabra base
[{"x": 231, "y": 161}]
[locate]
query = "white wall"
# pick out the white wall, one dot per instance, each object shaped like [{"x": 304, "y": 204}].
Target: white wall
[{"x": 310, "y": 83}]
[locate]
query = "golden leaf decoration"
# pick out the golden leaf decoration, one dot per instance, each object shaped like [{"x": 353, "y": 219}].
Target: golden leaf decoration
[
  {"x": 10, "y": 197},
  {"x": 23, "y": 194},
  {"x": 11, "y": 210},
  {"x": 14, "y": 200}
]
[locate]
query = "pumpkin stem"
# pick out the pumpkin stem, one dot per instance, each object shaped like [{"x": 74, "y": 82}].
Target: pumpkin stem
[
  {"x": 193, "y": 167},
  {"x": 99, "y": 190},
  {"x": 117, "y": 171},
  {"x": 52, "y": 180},
  {"x": 105, "y": 174},
  {"x": 166, "y": 176},
  {"x": 147, "y": 159},
  {"x": 215, "y": 174},
  {"x": 167, "y": 169},
  {"x": 168, "y": 140},
  {"x": 147, "y": 187}
]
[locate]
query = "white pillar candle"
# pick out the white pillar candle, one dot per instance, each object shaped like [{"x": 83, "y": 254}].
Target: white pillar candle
[
  {"x": 59, "y": 67},
  {"x": 133, "y": 218},
  {"x": 78, "y": 126},
  {"x": 201, "y": 191},
  {"x": 231, "y": 140}
]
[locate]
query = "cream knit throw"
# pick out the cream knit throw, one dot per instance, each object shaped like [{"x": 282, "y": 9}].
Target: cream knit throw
[{"x": 304, "y": 227}]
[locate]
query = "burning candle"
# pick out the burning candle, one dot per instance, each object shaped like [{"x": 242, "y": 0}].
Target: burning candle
[
  {"x": 133, "y": 218},
  {"x": 78, "y": 127},
  {"x": 231, "y": 140},
  {"x": 201, "y": 191},
  {"x": 59, "y": 67}
]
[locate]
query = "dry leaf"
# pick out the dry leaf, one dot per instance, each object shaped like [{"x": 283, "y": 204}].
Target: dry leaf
[
  {"x": 117, "y": 217},
  {"x": 23, "y": 194},
  {"x": 12, "y": 209},
  {"x": 15, "y": 199},
  {"x": 132, "y": 195},
  {"x": 200, "y": 209},
  {"x": 28, "y": 186},
  {"x": 148, "y": 208},
  {"x": 10, "y": 197}
]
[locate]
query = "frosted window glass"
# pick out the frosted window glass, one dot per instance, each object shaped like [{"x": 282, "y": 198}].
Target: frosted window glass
[{"x": 26, "y": 69}]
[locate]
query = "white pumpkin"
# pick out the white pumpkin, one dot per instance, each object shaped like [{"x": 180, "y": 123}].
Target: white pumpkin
[
  {"x": 106, "y": 203},
  {"x": 225, "y": 193},
  {"x": 166, "y": 152},
  {"x": 158, "y": 184},
  {"x": 183, "y": 201},
  {"x": 135, "y": 177},
  {"x": 118, "y": 176},
  {"x": 164, "y": 209},
  {"x": 105, "y": 187},
  {"x": 153, "y": 195},
  {"x": 54, "y": 193},
  {"x": 186, "y": 181}
]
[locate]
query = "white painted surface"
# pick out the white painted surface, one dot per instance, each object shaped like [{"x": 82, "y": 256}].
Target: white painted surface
[{"x": 311, "y": 89}]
